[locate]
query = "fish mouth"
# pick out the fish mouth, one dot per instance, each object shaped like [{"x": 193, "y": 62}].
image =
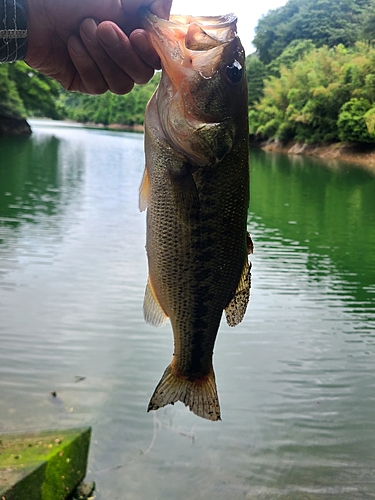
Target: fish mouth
[
  {"x": 183, "y": 40},
  {"x": 193, "y": 53},
  {"x": 200, "y": 33}
]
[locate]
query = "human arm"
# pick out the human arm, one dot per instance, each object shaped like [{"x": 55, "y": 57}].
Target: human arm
[{"x": 13, "y": 32}]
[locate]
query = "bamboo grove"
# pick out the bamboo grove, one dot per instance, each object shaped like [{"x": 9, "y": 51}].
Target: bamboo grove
[{"x": 320, "y": 85}]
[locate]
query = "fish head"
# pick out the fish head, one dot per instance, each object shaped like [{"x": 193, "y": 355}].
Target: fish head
[{"x": 202, "y": 95}]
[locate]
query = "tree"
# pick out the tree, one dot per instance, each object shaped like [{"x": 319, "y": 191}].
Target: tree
[
  {"x": 39, "y": 93},
  {"x": 292, "y": 53},
  {"x": 368, "y": 22},
  {"x": 351, "y": 122},
  {"x": 256, "y": 73},
  {"x": 128, "y": 109},
  {"x": 274, "y": 31},
  {"x": 324, "y": 22},
  {"x": 10, "y": 102},
  {"x": 327, "y": 95}
]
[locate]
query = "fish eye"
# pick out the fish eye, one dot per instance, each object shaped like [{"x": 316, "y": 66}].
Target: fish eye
[{"x": 234, "y": 72}]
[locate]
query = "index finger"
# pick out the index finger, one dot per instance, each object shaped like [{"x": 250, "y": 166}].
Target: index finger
[{"x": 121, "y": 51}]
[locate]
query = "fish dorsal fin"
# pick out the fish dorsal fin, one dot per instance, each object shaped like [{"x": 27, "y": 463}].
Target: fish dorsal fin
[
  {"x": 235, "y": 310},
  {"x": 144, "y": 191},
  {"x": 152, "y": 310}
]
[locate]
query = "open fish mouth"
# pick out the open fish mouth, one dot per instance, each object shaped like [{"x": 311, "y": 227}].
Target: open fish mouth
[
  {"x": 198, "y": 33},
  {"x": 181, "y": 37},
  {"x": 196, "y": 54}
]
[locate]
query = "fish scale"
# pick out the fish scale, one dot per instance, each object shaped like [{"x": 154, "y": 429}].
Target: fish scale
[{"x": 196, "y": 192}]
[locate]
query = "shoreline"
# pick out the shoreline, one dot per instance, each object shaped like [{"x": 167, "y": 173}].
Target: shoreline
[
  {"x": 360, "y": 154},
  {"x": 100, "y": 126}
]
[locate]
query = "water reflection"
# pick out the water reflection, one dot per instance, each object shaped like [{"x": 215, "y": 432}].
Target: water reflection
[
  {"x": 295, "y": 378},
  {"x": 326, "y": 212},
  {"x": 36, "y": 177}
]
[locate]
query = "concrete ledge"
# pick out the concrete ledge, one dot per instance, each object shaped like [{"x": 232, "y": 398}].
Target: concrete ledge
[{"x": 44, "y": 465}]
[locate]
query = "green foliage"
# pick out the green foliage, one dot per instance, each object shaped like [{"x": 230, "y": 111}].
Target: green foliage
[
  {"x": 274, "y": 31},
  {"x": 10, "y": 102},
  {"x": 368, "y": 22},
  {"x": 38, "y": 92},
  {"x": 314, "y": 66},
  {"x": 26, "y": 92},
  {"x": 128, "y": 109},
  {"x": 352, "y": 122},
  {"x": 256, "y": 73},
  {"x": 324, "y": 22},
  {"x": 294, "y": 51},
  {"x": 327, "y": 95}
]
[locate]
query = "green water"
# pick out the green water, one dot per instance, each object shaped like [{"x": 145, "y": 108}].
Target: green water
[
  {"x": 295, "y": 378},
  {"x": 327, "y": 209}
]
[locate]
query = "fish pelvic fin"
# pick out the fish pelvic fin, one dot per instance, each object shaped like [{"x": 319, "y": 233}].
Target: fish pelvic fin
[
  {"x": 235, "y": 310},
  {"x": 199, "y": 395},
  {"x": 152, "y": 310}
]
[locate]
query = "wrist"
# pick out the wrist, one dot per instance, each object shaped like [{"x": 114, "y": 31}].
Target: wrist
[{"x": 13, "y": 30}]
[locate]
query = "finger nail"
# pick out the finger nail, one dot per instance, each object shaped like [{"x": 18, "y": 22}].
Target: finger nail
[
  {"x": 109, "y": 36},
  {"x": 89, "y": 28},
  {"x": 76, "y": 45},
  {"x": 141, "y": 42}
]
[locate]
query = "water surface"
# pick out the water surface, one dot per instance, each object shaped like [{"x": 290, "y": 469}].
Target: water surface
[{"x": 295, "y": 378}]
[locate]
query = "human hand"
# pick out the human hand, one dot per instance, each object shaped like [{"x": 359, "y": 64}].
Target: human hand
[{"x": 92, "y": 45}]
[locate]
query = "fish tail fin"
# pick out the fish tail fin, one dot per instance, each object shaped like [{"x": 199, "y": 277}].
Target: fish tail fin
[{"x": 199, "y": 395}]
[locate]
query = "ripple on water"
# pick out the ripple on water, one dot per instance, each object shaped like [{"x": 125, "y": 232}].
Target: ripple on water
[{"x": 295, "y": 378}]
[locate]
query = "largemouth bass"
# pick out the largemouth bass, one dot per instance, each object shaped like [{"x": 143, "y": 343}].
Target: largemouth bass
[{"x": 196, "y": 191}]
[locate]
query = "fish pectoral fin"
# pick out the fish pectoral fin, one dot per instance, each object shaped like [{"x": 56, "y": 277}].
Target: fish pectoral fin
[
  {"x": 152, "y": 310},
  {"x": 235, "y": 310},
  {"x": 144, "y": 191},
  {"x": 199, "y": 395},
  {"x": 186, "y": 194}
]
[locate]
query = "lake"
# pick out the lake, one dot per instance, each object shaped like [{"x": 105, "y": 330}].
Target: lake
[{"x": 295, "y": 379}]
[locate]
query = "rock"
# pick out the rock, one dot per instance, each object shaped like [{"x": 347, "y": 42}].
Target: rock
[
  {"x": 11, "y": 125},
  {"x": 43, "y": 465},
  {"x": 84, "y": 491}
]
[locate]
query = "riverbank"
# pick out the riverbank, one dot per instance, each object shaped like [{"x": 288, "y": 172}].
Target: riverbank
[
  {"x": 358, "y": 153},
  {"x": 100, "y": 126},
  {"x": 115, "y": 126}
]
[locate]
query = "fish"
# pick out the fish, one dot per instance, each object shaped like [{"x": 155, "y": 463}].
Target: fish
[{"x": 195, "y": 189}]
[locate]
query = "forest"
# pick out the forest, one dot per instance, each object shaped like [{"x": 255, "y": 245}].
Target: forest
[
  {"x": 311, "y": 79},
  {"x": 25, "y": 92}
]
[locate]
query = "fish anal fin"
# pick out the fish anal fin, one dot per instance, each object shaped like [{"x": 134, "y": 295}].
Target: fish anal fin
[
  {"x": 152, "y": 310},
  {"x": 144, "y": 191},
  {"x": 235, "y": 310},
  {"x": 199, "y": 395}
]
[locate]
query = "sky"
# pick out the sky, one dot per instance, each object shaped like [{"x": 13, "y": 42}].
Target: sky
[{"x": 248, "y": 13}]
